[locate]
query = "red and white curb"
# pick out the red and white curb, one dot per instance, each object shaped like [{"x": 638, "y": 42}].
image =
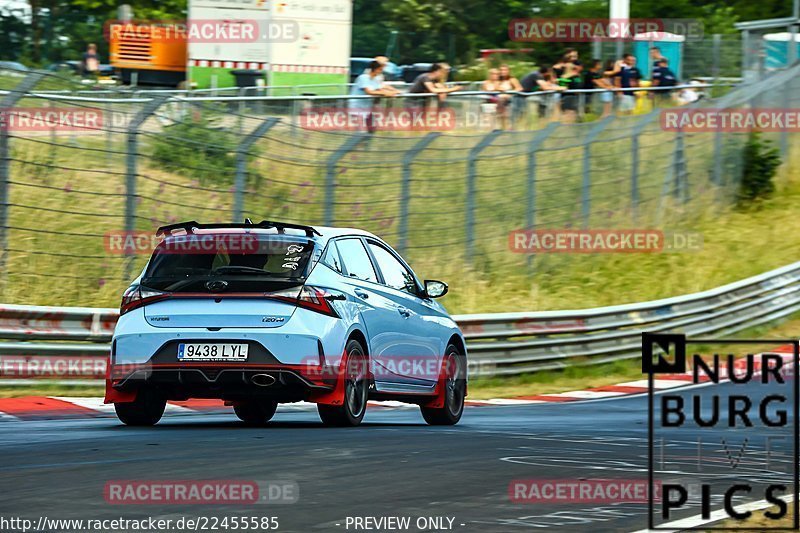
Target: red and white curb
[
  {"x": 60, "y": 407},
  {"x": 49, "y": 407}
]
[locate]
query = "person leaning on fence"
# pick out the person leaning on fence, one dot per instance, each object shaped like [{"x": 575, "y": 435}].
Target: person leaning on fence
[
  {"x": 570, "y": 79},
  {"x": 434, "y": 82},
  {"x": 503, "y": 83},
  {"x": 570, "y": 56},
  {"x": 590, "y": 81},
  {"x": 383, "y": 60},
  {"x": 540, "y": 80},
  {"x": 370, "y": 83},
  {"x": 607, "y": 82},
  {"x": 492, "y": 85},
  {"x": 628, "y": 76}
]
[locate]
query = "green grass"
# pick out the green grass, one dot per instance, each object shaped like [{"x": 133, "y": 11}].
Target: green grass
[
  {"x": 572, "y": 378},
  {"x": 52, "y": 389},
  {"x": 287, "y": 180}
]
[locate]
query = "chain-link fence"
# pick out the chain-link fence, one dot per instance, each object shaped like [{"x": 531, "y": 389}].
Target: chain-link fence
[{"x": 441, "y": 198}]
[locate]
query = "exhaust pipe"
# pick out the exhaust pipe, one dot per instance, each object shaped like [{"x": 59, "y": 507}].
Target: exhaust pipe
[{"x": 262, "y": 380}]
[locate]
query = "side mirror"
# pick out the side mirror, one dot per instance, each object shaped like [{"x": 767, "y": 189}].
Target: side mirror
[{"x": 435, "y": 289}]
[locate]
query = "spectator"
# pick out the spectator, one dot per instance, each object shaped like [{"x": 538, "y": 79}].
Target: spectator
[
  {"x": 656, "y": 56},
  {"x": 507, "y": 81},
  {"x": 570, "y": 79},
  {"x": 369, "y": 83},
  {"x": 609, "y": 73},
  {"x": 628, "y": 76},
  {"x": 570, "y": 56},
  {"x": 383, "y": 60},
  {"x": 492, "y": 82},
  {"x": 540, "y": 80},
  {"x": 506, "y": 84},
  {"x": 90, "y": 63},
  {"x": 595, "y": 78},
  {"x": 434, "y": 82},
  {"x": 664, "y": 77},
  {"x": 492, "y": 85}
]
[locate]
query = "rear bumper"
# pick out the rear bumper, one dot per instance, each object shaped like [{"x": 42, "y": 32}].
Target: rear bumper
[
  {"x": 302, "y": 357},
  {"x": 228, "y": 382}
]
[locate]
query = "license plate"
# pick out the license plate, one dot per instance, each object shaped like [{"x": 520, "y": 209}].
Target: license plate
[{"x": 212, "y": 352}]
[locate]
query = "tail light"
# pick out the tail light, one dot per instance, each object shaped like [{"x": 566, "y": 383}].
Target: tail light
[
  {"x": 137, "y": 296},
  {"x": 311, "y": 298}
]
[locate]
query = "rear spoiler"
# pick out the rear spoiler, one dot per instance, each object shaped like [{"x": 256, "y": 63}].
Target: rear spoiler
[{"x": 192, "y": 225}]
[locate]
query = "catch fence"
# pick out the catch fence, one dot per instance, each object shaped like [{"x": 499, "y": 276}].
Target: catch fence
[{"x": 447, "y": 200}]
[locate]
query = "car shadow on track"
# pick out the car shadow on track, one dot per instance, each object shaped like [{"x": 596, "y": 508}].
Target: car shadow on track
[{"x": 234, "y": 424}]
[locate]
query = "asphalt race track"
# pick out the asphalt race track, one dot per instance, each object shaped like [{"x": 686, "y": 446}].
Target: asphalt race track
[{"x": 393, "y": 465}]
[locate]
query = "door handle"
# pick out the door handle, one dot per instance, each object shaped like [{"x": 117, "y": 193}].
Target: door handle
[
  {"x": 403, "y": 311},
  {"x": 361, "y": 294}
]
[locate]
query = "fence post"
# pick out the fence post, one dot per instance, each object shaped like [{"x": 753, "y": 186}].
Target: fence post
[
  {"x": 240, "y": 180},
  {"x": 6, "y": 103},
  {"x": 786, "y": 91},
  {"x": 533, "y": 148},
  {"x": 716, "y": 171},
  {"x": 681, "y": 184},
  {"x": 675, "y": 178},
  {"x": 716, "y": 44},
  {"x": 131, "y": 155},
  {"x": 791, "y": 52},
  {"x": 471, "y": 179},
  {"x": 330, "y": 174},
  {"x": 405, "y": 193},
  {"x": 586, "y": 187},
  {"x": 745, "y": 54},
  {"x": 716, "y": 55},
  {"x": 637, "y": 131}
]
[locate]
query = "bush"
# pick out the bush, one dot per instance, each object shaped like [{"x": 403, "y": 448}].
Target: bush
[
  {"x": 198, "y": 149},
  {"x": 760, "y": 162}
]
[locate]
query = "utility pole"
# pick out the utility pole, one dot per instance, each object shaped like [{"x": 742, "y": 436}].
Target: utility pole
[{"x": 618, "y": 13}]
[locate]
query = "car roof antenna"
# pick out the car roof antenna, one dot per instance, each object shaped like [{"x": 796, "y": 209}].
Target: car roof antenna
[{"x": 248, "y": 221}]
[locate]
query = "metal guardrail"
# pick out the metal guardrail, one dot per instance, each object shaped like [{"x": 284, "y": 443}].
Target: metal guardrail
[{"x": 499, "y": 344}]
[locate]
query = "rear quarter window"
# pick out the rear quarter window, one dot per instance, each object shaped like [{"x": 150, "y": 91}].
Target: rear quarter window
[{"x": 356, "y": 260}]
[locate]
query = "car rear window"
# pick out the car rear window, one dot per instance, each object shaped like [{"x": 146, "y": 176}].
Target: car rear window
[{"x": 247, "y": 262}]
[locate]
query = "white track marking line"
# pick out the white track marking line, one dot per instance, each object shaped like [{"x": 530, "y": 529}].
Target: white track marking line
[
  {"x": 179, "y": 410},
  {"x": 95, "y": 404},
  {"x": 505, "y": 401},
  {"x": 657, "y": 383},
  {"x": 715, "y": 516},
  {"x": 391, "y": 404},
  {"x": 8, "y": 418},
  {"x": 586, "y": 394},
  {"x": 297, "y": 406}
]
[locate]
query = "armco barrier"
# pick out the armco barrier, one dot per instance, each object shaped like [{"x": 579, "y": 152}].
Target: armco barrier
[{"x": 498, "y": 344}]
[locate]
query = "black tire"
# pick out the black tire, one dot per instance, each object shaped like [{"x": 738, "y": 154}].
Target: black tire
[
  {"x": 456, "y": 383},
  {"x": 351, "y": 413},
  {"x": 146, "y": 410},
  {"x": 256, "y": 413}
]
